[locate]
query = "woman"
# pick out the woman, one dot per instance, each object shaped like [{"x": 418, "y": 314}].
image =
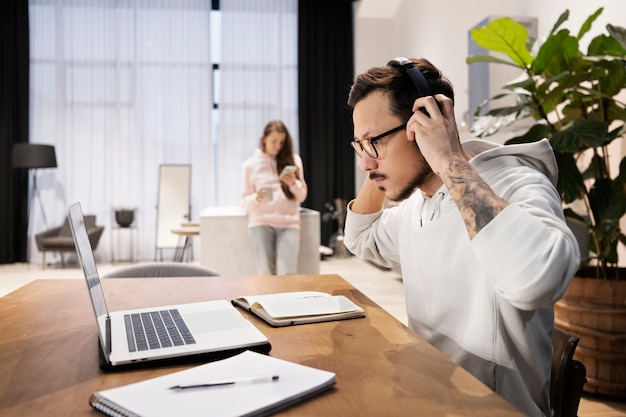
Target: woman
[{"x": 272, "y": 193}]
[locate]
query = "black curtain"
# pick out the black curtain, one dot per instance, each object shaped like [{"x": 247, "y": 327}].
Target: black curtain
[
  {"x": 14, "y": 84},
  {"x": 325, "y": 74}
]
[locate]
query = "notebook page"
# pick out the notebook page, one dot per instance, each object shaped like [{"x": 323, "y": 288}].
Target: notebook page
[{"x": 154, "y": 397}]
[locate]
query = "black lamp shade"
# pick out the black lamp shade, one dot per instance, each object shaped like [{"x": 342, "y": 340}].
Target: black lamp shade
[{"x": 28, "y": 155}]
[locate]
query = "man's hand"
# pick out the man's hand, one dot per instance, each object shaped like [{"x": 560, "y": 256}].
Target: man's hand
[
  {"x": 435, "y": 134},
  {"x": 438, "y": 139}
]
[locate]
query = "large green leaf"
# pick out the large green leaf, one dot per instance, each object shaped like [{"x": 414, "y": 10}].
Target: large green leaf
[
  {"x": 621, "y": 177},
  {"x": 489, "y": 59},
  {"x": 580, "y": 136},
  {"x": 614, "y": 79},
  {"x": 570, "y": 183},
  {"x": 520, "y": 99},
  {"x": 564, "y": 16},
  {"x": 607, "y": 199},
  {"x": 556, "y": 54},
  {"x": 495, "y": 119},
  {"x": 535, "y": 133},
  {"x": 603, "y": 45},
  {"x": 587, "y": 25},
  {"x": 617, "y": 32},
  {"x": 616, "y": 112},
  {"x": 506, "y": 36}
]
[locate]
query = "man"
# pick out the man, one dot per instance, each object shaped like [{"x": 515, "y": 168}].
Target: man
[{"x": 479, "y": 231}]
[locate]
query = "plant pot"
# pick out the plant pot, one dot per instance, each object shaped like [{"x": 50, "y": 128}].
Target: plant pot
[
  {"x": 124, "y": 218},
  {"x": 595, "y": 311}
]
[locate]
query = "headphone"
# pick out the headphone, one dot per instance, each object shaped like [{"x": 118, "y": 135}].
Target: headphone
[{"x": 418, "y": 79}]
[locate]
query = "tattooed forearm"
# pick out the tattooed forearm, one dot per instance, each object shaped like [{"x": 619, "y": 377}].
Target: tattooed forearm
[{"x": 477, "y": 203}]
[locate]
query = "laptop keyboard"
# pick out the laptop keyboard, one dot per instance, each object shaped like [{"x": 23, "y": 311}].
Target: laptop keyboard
[{"x": 156, "y": 330}]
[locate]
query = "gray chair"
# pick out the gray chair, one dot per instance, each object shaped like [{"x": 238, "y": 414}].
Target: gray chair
[
  {"x": 59, "y": 239},
  {"x": 161, "y": 269},
  {"x": 568, "y": 375}
]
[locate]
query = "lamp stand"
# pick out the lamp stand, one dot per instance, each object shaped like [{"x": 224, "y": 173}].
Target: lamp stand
[{"x": 36, "y": 195}]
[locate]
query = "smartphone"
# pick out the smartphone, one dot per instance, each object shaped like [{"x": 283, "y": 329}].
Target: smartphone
[{"x": 289, "y": 169}]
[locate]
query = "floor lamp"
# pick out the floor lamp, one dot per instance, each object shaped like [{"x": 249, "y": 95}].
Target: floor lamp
[{"x": 34, "y": 156}]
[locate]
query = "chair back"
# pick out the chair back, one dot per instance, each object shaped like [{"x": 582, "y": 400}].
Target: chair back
[
  {"x": 568, "y": 375},
  {"x": 161, "y": 269},
  {"x": 90, "y": 222}
]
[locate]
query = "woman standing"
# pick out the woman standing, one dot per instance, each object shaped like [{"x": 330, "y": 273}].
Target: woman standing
[{"x": 273, "y": 188}]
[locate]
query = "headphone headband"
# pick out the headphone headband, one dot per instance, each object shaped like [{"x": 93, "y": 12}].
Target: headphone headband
[{"x": 418, "y": 79}]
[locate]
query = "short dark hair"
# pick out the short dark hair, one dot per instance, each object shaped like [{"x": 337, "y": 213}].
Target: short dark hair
[{"x": 395, "y": 82}]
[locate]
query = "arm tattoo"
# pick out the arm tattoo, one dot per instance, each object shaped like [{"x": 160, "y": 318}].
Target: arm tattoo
[{"x": 476, "y": 201}]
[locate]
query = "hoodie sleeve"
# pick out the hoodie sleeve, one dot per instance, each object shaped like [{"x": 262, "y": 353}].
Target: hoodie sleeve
[
  {"x": 528, "y": 251},
  {"x": 371, "y": 236},
  {"x": 300, "y": 188},
  {"x": 248, "y": 194}
]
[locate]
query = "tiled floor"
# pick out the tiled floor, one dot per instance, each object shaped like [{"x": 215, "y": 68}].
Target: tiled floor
[{"x": 382, "y": 286}]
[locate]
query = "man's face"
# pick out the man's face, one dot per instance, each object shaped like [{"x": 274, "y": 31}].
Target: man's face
[{"x": 400, "y": 167}]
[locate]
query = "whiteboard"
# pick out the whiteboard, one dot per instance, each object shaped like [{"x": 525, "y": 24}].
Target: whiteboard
[{"x": 173, "y": 203}]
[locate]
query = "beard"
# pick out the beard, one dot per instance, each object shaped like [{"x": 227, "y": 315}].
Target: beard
[{"x": 420, "y": 178}]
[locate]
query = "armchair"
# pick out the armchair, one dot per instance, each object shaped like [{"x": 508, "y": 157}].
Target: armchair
[{"x": 59, "y": 239}]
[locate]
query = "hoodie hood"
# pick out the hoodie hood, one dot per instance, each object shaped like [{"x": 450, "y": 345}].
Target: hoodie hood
[{"x": 537, "y": 155}]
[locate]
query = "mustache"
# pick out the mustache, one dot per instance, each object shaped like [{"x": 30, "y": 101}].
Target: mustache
[{"x": 376, "y": 175}]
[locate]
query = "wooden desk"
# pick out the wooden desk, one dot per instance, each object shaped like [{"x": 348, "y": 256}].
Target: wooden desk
[{"x": 49, "y": 356}]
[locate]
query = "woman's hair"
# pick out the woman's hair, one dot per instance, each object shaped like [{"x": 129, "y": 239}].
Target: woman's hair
[
  {"x": 395, "y": 82},
  {"x": 285, "y": 155}
]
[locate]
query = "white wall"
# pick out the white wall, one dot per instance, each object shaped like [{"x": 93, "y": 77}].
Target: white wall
[{"x": 439, "y": 30}]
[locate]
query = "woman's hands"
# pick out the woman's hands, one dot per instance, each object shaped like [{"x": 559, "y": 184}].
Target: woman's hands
[{"x": 289, "y": 178}]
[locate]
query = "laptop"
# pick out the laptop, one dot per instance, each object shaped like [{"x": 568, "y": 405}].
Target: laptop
[{"x": 164, "y": 335}]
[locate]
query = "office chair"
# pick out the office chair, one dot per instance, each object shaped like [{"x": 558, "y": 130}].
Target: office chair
[
  {"x": 568, "y": 375},
  {"x": 161, "y": 269}
]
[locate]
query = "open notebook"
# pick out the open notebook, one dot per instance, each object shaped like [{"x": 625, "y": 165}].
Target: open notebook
[
  {"x": 170, "y": 334},
  {"x": 300, "y": 307}
]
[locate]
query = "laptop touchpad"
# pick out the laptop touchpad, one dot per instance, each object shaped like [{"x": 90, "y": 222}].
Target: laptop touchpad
[{"x": 214, "y": 321}]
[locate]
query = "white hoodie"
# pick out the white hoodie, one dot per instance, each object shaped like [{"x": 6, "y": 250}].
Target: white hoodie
[
  {"x": 260, "y": 171},
  {"x": 487, "y": 302}
]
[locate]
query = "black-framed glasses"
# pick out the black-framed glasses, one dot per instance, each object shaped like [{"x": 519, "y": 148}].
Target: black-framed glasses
[{"x": 369, "y": 145}]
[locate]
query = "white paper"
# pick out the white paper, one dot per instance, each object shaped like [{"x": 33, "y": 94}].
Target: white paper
[
  {"x": 155, "y": 398},
  {"x": 305, "y": 304}
]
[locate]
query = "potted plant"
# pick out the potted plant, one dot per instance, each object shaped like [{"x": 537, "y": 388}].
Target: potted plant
[
  {"x": 124, "y": 216},
  {"x": 573, "y": 100}
]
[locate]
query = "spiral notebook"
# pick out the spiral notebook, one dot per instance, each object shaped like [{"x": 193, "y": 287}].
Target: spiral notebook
[{"x": 248, "y": 384}]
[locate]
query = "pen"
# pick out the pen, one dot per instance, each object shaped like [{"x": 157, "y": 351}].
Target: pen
[{"x": 248, "y": 380}]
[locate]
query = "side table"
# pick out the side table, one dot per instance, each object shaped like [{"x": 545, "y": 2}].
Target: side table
[
  {"x": 185, "y": 232},
  {"x": 117, "y": 243}
]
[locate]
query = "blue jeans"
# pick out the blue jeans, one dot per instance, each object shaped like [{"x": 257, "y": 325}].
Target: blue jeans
[{"x": 276, "y": 249}]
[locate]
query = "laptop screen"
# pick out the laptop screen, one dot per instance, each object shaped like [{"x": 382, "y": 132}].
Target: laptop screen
[{"x": 87, "y": 261}]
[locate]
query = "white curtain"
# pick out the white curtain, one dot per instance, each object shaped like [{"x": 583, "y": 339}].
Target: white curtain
[
  {"x": 120, "y": 87},
  {"x": 258, "y": 82}
]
